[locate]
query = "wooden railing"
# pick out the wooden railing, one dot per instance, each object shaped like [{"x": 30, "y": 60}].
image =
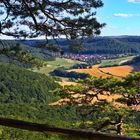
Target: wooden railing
[{"x": 90, "y": 135}]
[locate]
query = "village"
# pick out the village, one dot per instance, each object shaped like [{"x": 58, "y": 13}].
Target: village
[{"x": 88, "y": 57}]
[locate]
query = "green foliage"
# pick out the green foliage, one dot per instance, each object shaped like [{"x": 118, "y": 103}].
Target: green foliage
[
  {"x": 51, "y": 47},
  {"x": 78, "y": 89},
  {"x": 104, "y": 116},
  {"x": 125, "y": 45},
  {"x": 81, "y": 66},
  {"x": 25, "y": 95},
  {"x": 16, "y": 53},
  {"x": 63, "y": 73},
  {"x": 129, "y": 87},
  {"x": 20, "y": 85},
  {"x": 79, "y": 19},
  {"x": 40, "y": 113},
  {"x": 107, "y": 84},
  {"x": 112, "y": 45},
  {"x": 75, "y": 47},
  {"x": 122, "y": 100}
]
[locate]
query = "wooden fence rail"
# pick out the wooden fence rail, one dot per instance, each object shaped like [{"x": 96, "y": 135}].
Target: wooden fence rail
[{"x": 61, "y": 131}]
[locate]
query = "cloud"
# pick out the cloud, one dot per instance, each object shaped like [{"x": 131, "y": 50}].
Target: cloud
[
  {"x": 124, "y": 15},
  {"x": 134, "y": 1}
]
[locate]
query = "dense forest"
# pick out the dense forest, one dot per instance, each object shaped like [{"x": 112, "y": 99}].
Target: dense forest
[
  {"x": 98, "y": 45},
  {"x": 26, "y": 95},
  {"x": 110, "y": 46},
  {"x": 20, "y": 85},
  {"x": 61, "y": 72},
  {"x": 17, "y": 53}
]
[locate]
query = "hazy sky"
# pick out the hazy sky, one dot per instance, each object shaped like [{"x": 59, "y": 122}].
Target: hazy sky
[{"x": 121, "y": 16}]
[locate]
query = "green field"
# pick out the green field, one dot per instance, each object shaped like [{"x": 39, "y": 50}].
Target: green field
[
  {"x": 115, "y": 62},
  {"x": 52, "y": 65}
]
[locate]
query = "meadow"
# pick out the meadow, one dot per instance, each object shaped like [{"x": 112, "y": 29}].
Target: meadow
[
  {"x": 57, "y": 63},
  {"x": 115, "y": 62}
]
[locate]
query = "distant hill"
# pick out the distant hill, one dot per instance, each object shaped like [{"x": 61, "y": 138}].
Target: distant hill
[
  {"x": 12, "y": 51},
  {"x": 93, "y": 45},
  {"x": 112, "y": 45},
  {"x": 99, "y": 45}
]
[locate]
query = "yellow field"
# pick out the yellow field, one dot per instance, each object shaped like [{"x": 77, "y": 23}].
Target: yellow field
[
  {"x": 92, "y": 71},
  {"x": 105, "y": 72},
  {"x": 67, "y": 83},
  {"x": 122, "y": 71}
]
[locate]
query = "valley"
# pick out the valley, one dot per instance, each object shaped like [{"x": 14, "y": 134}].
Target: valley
[
  {"x": 67, "y": 91},
  {"x": 69, "y": 70}
]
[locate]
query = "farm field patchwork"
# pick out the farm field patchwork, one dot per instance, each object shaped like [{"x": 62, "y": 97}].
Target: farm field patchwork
[
  {"x": 94, "y": 71},
  {"x": 120, "y": 71}
]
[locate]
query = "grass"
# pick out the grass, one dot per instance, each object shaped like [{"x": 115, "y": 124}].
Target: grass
[
  {"x": 52, "y": 65},
  {"x": 115, "y": 62}
]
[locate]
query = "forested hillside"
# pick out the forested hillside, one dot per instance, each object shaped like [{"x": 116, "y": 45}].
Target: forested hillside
[
  {"x": 99, "y": 45},
  {"x": 33, "y": 97},
  {"x": 108, "y": 45},
  {"x": 25, "y": 95},
  {"x": 16, "y": 53},
  {"x": 22, "y": 86},
  {"x": 29, "y": 96}
]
